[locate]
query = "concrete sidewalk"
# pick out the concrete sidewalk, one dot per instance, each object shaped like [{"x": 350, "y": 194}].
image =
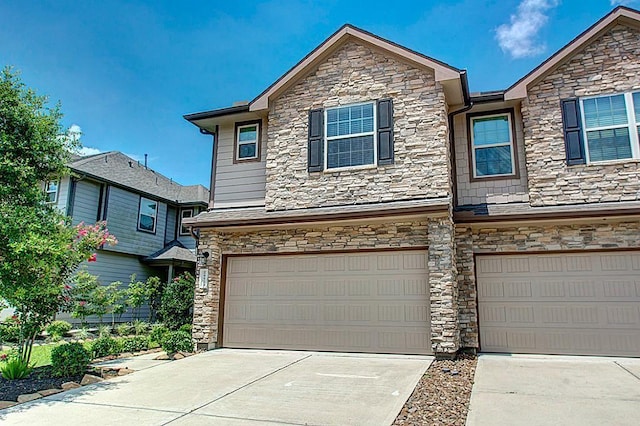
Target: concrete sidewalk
[
  {"x": 555, "y": 390},
  {"x": 240, "y": 387}
]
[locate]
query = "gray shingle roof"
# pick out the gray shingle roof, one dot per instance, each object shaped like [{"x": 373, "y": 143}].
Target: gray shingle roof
[
  {"x": 115, "y": 167},
  {"x": 173, "y": 251}
]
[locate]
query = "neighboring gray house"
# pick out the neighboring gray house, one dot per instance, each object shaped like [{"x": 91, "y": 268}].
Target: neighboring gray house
[
  {"x": 367, "y": 202},
  {"x": 143, "y": 209}
]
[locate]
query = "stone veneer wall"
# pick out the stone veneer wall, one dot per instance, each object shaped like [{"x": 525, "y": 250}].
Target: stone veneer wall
[
  {"x": 611, "y": 64},
  {"x": 436, "y": 233},
  {"x": 529, "y": 238},
  {"x": 356, "y": 73}
]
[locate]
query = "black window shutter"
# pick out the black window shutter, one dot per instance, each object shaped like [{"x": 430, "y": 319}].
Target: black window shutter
[
  {"x": 385, "y": 131},
  {"x": 315, "y": 149},
  {"x": 572, "y": 125}
]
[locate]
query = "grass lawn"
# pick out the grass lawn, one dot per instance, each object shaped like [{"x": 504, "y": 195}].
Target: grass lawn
[{"x": 40, "y": 355}]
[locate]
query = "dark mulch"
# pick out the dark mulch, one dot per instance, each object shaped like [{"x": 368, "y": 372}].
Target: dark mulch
[
  {"x": 39, "y": 379},
  {"x": 442, "y": 395}
]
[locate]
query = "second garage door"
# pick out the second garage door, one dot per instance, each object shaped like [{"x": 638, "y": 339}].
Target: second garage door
[
  {"x": 578, "y": 303},
  {"x": 355, "y": 302}
]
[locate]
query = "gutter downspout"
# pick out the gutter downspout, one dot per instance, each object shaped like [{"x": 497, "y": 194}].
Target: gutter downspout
[
  {"x": 214, "y": 158},
  {"x": 468, "y": 104}
]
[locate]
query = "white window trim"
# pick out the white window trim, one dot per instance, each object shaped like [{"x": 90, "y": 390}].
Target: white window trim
[
  {"x": 254, "y": 142},
  {"x": 190, "y": 209},
  {"x": 374, "y": 133},
  {"x": 511, "y": 144},
  {"x": 632, "y": 125},
  {"x": 155, "y": 217},
  {"x": 56, "y": 192}
]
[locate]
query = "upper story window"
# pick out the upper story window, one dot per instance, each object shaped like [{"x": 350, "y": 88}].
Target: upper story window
[
  {"x": 611, "y": 126},
  {"x": 247, "y": 143},
  {"x": 184, "y": 214},
  {"x": 51, "y": 191},
  {"x": 492, "y": 145},
  {"x": 350, "y": 139},
  {"x": 147, "y": 215},
  {"x": 350, "y": 136}
]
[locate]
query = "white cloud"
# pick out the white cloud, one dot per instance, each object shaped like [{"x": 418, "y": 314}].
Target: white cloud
[
  {"x": 87, "y": 150},
  {"x": 519, "y": 37},
  {"x": 622, "y": 2}
]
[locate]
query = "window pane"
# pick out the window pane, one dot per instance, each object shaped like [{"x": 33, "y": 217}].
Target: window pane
[
  {"x": 605, "y": 111},
  {"x": 51, "y": 197},
  {"x": 636, "y": 106},
  {"x": 611, "y": 144},
  {"x": 493, "y": 161},
  {"x": 52, "y": 186},
  {"x": 147, "y": 222},
  {"x": 491, "y": 130},
  {"x": 248, "y": 134},
  {"x": 148, "y": 207},
  {"x": 345, "y": 121},
  {"x": 247, "y": 150},
  {"x": 350, "y": 152}
]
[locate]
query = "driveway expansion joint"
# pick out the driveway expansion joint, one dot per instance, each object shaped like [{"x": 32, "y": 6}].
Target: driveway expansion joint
[
  {"x": 626, "y": 369},
  {"x": 240, "y": 388}
]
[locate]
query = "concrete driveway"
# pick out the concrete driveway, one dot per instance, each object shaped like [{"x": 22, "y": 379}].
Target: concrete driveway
[
  {"x": 555, "y": 390},
  {"x": 240, "y": 387}
]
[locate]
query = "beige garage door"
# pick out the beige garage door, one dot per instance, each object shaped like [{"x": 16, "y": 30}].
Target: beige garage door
[
  {"x": 581, "y": 304},
  {"x": 367, "y": 302}
]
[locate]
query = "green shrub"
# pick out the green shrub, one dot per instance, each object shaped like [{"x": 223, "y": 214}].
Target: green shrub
[
  {"x": 58, "y": 329},
  {"x": 157, "y": 333},
  {"x": 135, "y": 344},
  {"x": 123, "y": 329},
  {"x": 71, "y": 359},
  {"x": 140, "y": 327},
  {"x": 104, "y": 330},
  {"x": 15, "y": 368},
  {"x": 176, "y": 341},
  {"x": 104, "y": 346},
  {"x": 186, "y": 328},
  {"x": 10, "y": 330},
  {"x": 177, "y": 301}
]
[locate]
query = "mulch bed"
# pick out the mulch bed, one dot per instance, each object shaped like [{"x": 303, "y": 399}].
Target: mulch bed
[
  {"x": 441, "y": 397},
  {"x": 39, "y": 379}
]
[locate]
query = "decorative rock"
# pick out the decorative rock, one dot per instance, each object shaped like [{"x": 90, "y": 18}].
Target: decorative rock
[
  {"x": 125, "y": 355},
  {"x": 89, "y": 379},
  {"x": 162, "y": 357},
  {"x": 446, "y": 370},
  {"x": 454, "y": 373},
  {"x": 70, "y": 385},
  {"x": 124, "y": 371},
  {"x": 48, "y": 392},
  {"x": 7, "y": 404},
  {"x": 178, "y": 355},
  {"x": 26, "y": 397}
]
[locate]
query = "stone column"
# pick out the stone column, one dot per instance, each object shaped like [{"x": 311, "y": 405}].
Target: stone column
[
  {"x": 445, "y": 331},
  {"x": 206, "y": 306}
]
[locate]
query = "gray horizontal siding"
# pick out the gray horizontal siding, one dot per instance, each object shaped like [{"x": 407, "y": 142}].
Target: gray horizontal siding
[
  {"x": 122, "y": 221},
  {"x": 63, "y": 194},
  {"x": 85, "y": 202},
  {"x": 170, "y": 232},
  {"x": 243, "y": 183}
]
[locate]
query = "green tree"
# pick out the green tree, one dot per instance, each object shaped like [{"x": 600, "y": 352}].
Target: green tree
[
  {"x": 143, "y": 292},
  {"x": 177, "y": 301},
  {"x": 39, "y": 250}
]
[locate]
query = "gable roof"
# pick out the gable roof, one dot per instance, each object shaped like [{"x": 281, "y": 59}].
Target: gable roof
[
  {"x": 117, "y": 168},
  {"x": 443, "y": 72},
  {"x": 620, "y": 14},
  {"x": 174, "y": 251}
]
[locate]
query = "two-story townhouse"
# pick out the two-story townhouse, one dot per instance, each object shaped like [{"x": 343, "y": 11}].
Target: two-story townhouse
[
  {"x": 143, "y": 209},
  {"x": 367, "y": 202}
]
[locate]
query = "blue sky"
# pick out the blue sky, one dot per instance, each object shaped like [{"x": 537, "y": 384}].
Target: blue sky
[{"x": 126, "y": 71}]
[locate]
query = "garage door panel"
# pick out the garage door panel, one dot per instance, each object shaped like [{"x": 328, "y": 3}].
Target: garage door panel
[
  {"x": 364, "y": 302},
  {"x": 568, "y": 304}
]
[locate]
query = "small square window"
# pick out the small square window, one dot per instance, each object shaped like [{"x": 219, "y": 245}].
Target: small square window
[
  {"x": 247, "y": 141},
  {"x": 184, "y": 214},
  {"x": 51, "y": 191},
  {"x": 147, "y": 215}
]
